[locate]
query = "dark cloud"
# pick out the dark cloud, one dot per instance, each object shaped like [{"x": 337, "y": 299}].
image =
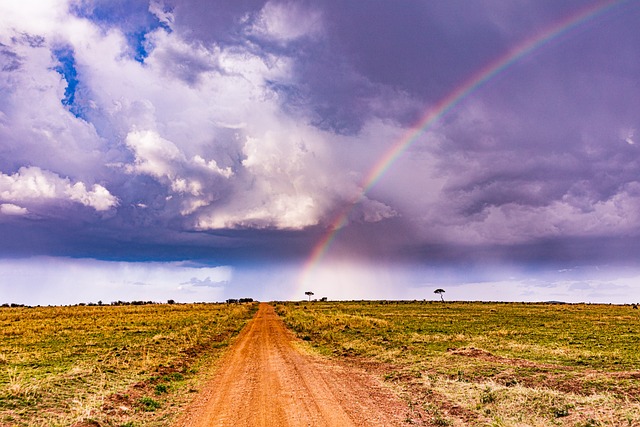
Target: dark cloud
[
  {"x": 239, "y": 132},
  {"x": 217, "y": 21},
  {"x": 10, "y": 60},
  {"x": 423, "y": 48}
]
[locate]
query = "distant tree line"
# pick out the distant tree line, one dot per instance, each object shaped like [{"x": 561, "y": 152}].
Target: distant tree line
[
  {"x": 93, "y": 304},
  {"x": 239, "y": 301},
  {"x": 248, "y": 300},
  {"x": 117, "y": 303}
]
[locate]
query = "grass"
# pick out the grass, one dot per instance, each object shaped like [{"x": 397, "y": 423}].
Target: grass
[
  {"x": 489, "y": 364},
  {"x": 108, "y": 365}
]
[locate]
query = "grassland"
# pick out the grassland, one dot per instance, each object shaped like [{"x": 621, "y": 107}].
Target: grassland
[
  {"x": 486, "y": 364},
  {"x": 123, "y": 366}
]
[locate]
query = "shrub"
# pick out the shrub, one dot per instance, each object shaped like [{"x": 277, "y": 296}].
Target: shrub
[{"x": 148, "y": 404}]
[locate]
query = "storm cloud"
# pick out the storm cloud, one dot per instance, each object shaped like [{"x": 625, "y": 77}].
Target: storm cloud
[{"x": 235, "y": 133}]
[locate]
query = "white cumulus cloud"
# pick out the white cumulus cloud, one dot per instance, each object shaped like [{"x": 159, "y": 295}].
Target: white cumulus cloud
[
  {"x": 34, "y": 185},
  {"x": 11, "y": 209},
  {"x": 287, "y": 21},
  {"x": 207, "y": 122}
]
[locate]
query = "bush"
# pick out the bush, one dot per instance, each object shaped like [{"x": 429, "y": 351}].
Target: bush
[{"x": 148, "y": 404}]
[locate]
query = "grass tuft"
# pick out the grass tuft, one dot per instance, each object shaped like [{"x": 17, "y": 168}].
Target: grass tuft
[{"x": 149, "y": 404}]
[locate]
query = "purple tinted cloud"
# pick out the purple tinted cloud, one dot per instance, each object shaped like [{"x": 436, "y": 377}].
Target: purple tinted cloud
[{"x": 235, "y": 131}]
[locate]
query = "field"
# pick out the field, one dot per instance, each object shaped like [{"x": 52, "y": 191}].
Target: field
[
  {"x": 454, "y": 364},
  {"x": 123, "y": 366},
  {"x": 488, "y": 364}
]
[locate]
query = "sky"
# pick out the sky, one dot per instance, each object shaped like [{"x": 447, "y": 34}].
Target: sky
[{"x": 203, "y": 150}]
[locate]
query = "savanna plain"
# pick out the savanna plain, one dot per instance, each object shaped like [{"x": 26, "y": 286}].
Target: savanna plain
[{"x": 452, "y": 363}]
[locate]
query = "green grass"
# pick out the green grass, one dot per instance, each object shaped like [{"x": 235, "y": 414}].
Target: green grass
[
  {"x": 489, "y": 363},
  {"x": 63, "y": 365}
]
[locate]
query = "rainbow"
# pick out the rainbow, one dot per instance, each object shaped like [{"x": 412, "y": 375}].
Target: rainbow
[{"x": 446, "y": 104}]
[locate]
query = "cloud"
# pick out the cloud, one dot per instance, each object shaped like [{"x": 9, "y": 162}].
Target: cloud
[
  {"x": 58, "y": 280},
  {"x": 11, "y": 209},
  {"x": 628, "y": 135},
  {"x": 208, "y": 122},
  {"x": 239, "y": 130},
  {"x": 188, "y": 62},
  {"x": 374, "y": 211},
  {"x": 207, "y": 282},
  {"x": 140, "y": 284},
  {"x": 33, "y": 185},
  {"x": 34, "y": 17},
  {"x": 11, "y": 61},
  {"x": 287, "y": 21},
  {"x": 162, "y": 159},
  {"x": 154, "y": 155},
  {"x": 162, "y": 11}
]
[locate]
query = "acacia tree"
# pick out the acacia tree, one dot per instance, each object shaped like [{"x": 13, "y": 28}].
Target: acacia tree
[
  {"x": 440, "y": 292},
  {"x": 309, "y": 293}
]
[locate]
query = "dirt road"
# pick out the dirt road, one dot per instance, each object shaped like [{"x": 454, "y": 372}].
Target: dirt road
[{"x": 266, "y": 380}]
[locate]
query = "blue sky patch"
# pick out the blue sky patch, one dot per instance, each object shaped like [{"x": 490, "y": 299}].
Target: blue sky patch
[
  {"x": 67, "y": 69},
  {"x": 132, "y": 18},
  {"x": 137, "y": 42}
]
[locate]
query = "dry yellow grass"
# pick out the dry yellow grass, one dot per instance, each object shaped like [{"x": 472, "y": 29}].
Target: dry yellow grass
[
  {"x": 484, "y": 364},
  {"x": 111, "y": 365}
]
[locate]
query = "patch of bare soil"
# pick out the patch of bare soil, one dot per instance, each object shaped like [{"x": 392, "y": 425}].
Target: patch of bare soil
[{"x": 267, "y": 380}]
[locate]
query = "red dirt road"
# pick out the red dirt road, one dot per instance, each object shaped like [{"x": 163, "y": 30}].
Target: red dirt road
[{"x": 265, "y": 380}]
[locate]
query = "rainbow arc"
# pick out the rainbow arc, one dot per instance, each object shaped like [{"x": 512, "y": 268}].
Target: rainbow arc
[{"x": 444, "y": 106}]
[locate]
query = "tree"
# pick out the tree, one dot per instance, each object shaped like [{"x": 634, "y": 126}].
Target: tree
[
  {"x": 439, "y": 291},
  {"x": 309, "y": 293}
]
